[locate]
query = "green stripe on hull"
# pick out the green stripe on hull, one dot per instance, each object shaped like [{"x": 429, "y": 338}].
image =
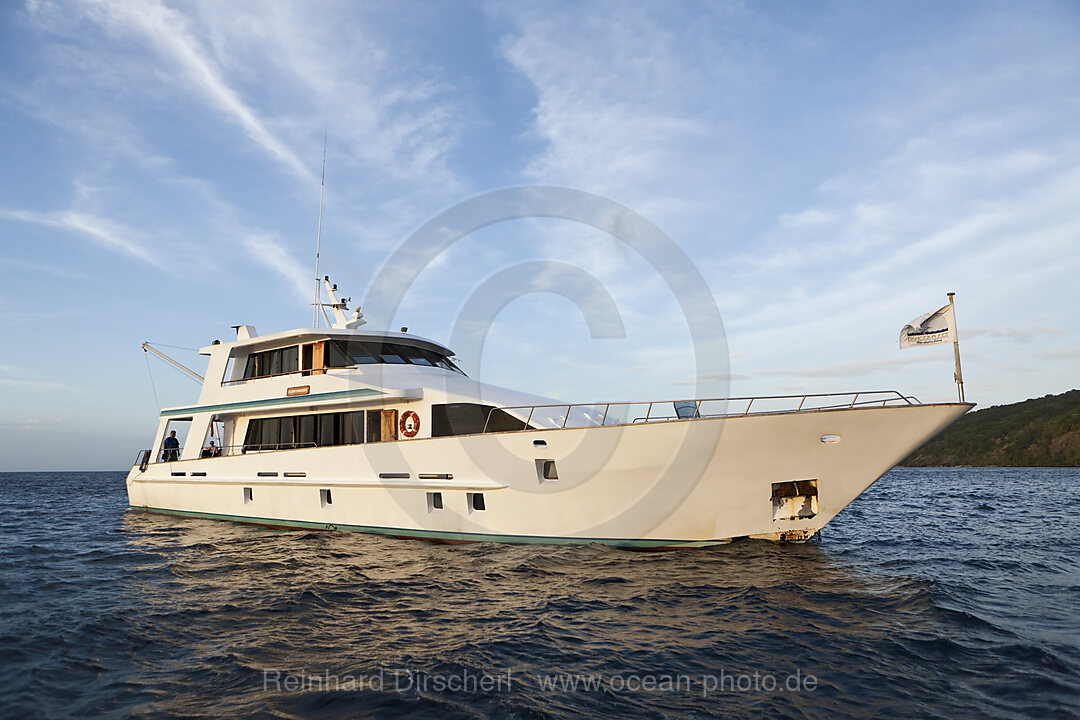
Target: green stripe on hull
[{"x": 438, "y": 534}]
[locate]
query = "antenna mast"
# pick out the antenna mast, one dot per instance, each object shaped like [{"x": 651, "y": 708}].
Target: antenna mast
[{"x": 318, "y": 236}]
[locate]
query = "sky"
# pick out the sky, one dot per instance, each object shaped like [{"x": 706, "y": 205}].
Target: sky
[{"x": 831, "y": 170}]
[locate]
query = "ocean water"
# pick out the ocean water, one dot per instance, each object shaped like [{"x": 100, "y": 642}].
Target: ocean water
[{"x": 940, "y": 593}]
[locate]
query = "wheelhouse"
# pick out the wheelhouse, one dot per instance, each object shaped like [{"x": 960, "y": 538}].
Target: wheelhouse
[{"x": 315, "y": 357}]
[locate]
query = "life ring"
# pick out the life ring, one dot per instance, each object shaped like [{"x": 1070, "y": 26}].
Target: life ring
[{"x": 409, "y": 423}]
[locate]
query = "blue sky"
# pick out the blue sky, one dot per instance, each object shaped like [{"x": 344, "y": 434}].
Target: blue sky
[{"x": 831, "y": 169}]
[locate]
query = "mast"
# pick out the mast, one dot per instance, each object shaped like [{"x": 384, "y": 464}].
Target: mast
[{"x": 318, "y": 235}]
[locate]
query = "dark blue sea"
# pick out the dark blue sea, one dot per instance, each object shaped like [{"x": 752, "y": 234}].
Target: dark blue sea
[{"x": 940, "y": 593}]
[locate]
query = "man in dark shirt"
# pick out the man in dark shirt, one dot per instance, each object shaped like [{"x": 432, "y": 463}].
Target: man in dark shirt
[{"x": 171, "y": 448}]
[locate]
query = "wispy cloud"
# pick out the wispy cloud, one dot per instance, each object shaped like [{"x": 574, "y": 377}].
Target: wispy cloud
[
  {"x": 853, "y": 369},
  {"x": 812, "y": 216},
  {"x": 168, "y": 32},
  {"x": 101, "y": 231},
  {"x": 1014, "y": 334},
  {"x": 30, "y": 424},
  {"x": 31, "y": 384},
  {"x": 1057, "y": 354},
  {"x": 614, "y": 109},
  {"x": 269, "y": 253}
]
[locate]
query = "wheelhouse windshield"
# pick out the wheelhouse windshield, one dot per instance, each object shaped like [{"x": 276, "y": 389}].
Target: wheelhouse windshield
[{"x": 347, "y": 352}]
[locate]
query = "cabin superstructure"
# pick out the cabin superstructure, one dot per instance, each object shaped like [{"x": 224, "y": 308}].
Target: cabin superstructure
[{"x": 308, "y": 388}]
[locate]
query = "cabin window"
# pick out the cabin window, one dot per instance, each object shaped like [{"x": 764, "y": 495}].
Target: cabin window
[
  {"x": 306, "y": 430},
  {"x": 352, "y": 428},
  {"x": 367, "y": 352},
  {"x": 300, "y": 431},
  {"x": 271, "y": 433},
  {"x": 358, "y": 352},
  {"x": 336, "y": 357},
  {"x": 418, "y": 356},
  {"x": 227, "y": 375},
  {"x": 471, "y": 418},
  {"x": 374, "y": 426},
  {"x": 328, "y": 429},
  {"x": 271, "y": 362},
  {"x": 314, "y": 358},
  {"x": 390, "y": 354},
  {"x": 287, "y": 435}
]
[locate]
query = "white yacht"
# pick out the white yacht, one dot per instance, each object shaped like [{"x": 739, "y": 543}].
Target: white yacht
[{"x": 380, "y": 432}]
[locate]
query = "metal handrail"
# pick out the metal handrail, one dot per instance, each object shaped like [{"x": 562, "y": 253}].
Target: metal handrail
[
  {"x": 222, "y": 451},
  {"x": 266, "y": 447},
  {"x": 529, "y": 411},
  {"x": 264, "y": 377},
  {"x": 163, "y": 452}
]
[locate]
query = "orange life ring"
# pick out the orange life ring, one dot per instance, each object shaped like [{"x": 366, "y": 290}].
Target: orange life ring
[{"x": 409, "y": 423}]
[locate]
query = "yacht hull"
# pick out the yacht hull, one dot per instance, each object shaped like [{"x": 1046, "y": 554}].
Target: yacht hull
[{"x": 685, "y": 483}]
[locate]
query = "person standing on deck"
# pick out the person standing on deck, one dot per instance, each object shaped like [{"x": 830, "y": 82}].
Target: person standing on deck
[{"x": 171, "y": 448}]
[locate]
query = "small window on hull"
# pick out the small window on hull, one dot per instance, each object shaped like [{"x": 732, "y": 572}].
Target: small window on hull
[
  {"x": 434, "y": 502},
  {"x": 325, "y": 498},
  {"x": 247, "y": 496}
]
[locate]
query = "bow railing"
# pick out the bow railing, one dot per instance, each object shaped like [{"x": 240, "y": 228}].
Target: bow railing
[{"x": 576, "y": 415}]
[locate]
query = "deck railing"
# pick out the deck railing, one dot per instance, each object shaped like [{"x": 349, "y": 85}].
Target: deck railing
[
  {"x": 544, "y": 417},
  {"x": 147, "y": 457}
]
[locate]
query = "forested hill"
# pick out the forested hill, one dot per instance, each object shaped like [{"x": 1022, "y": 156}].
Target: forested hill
[{"x": 1040, "y": 432}]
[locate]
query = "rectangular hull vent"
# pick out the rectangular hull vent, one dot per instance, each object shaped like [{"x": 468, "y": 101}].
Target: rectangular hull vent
[
  {"x": 546, "y": 470},
  {"x": 476, "y": 502}
]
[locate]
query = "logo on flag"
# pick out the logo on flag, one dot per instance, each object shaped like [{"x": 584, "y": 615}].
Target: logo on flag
[{"x": 932, "y": 328}]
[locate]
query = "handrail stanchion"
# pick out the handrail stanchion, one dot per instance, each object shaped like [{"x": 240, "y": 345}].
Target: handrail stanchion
[
  {"x": 748, "y": 406},
  {"x": 854, "y": 399},
  {"x": 799, "y": 409},
  {"x": 603, "y": 420}
]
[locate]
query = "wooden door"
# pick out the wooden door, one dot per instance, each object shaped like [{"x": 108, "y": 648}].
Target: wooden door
[
  {"x": 313, "y": 358},
  {"x": 389, "y": 425}
]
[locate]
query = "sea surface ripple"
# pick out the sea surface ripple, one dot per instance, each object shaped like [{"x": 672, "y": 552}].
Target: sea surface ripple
[{"x": 940, "y": 593}]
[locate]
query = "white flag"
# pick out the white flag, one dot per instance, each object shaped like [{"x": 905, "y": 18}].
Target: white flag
[{"x": 930, "y": 329}]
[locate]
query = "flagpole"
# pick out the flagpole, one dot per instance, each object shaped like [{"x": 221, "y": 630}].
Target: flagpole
[{"x": 958, "y": 376}]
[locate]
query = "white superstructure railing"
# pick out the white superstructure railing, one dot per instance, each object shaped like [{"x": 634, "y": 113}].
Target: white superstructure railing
[{"x": 576, "y": 415}]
